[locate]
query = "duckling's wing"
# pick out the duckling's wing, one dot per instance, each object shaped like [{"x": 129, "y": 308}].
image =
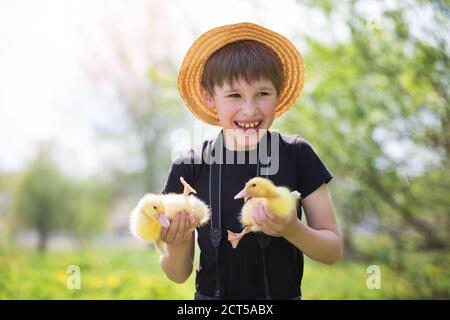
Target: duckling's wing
[{"x": 284, "y": 204}]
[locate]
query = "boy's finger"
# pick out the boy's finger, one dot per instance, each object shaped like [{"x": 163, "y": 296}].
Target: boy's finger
[
  {"x": 267, "y": 214},
  {"x": 173, "y": 228},
  {"x": 163, "y": 233},
  {"x": 265, "y": 224},
  {"x": 190, "y": 234},
  {"x": 189, "y": 229},
  {"x": 272, "y": 219},
  {"x": 257, "y": 216},
  {"x": 191, "y": 221},
  {"x": 181, "y": 227}
]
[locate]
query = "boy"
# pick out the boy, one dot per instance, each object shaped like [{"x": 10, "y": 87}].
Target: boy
[{"x": 241, "y": 77}]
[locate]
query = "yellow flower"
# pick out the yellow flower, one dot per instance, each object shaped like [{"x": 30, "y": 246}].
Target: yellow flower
[
  {"x": 146, "y": 281},
  {"x": 161, "y": 289},
  {"x": 61, "y": 277},
  {"x": 112, "y": 280},
  {"x": 94, "y": 282}
]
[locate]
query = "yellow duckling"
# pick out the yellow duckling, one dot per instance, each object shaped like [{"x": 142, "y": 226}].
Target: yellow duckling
[
  {"x": 154, "y": 211},
  {"x": 174, "y": 203},
  {"x": 280, "y": 200}
]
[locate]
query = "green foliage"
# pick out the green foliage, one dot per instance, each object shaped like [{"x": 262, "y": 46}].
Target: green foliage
[{"x": 377, "y": 109}]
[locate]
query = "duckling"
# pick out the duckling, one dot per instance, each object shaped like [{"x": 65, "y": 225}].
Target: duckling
[
  {"x": 154, "y": 211},
  {"x": 280, "y": 200}
]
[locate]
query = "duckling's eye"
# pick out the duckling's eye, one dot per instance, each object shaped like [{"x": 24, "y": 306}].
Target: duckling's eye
[
  {"x": 254, "y": 185},
  {"x": 154, "y": 207}
]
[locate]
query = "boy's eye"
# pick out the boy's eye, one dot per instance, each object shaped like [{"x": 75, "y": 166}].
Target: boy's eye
[
  {"x": 234, "y": 95},
  {"x": 263, "y": 93}
]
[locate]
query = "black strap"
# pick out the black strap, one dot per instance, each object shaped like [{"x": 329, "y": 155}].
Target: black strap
[
  {"x": 215, "y": 179},
  {"x": 263, "y": 239}
]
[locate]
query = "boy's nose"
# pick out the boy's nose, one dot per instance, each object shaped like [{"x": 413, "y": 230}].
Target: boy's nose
[{"x": 250, "y": 108}]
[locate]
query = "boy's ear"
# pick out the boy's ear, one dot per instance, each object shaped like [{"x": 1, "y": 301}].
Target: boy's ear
[{"x": 207, "y": 98}]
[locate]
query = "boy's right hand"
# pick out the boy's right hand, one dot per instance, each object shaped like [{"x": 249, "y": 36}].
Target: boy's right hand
[{"x": 179, "y": 230}]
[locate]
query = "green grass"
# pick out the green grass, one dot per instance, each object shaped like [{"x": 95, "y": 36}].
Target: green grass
[
  {"x": 135, "y": 274},
  {"x": 348, "y": 280},
  {"x": 105, "y": 274}
]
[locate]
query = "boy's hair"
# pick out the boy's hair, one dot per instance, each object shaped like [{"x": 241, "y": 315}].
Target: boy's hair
[{"x": 247, "y": 59}]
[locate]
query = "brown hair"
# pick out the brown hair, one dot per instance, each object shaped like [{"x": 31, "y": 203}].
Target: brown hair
[{"x": 247, "y": 59}]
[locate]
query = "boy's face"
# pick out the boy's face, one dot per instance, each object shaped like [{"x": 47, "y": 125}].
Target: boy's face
[{"x": 244, "y": 110}]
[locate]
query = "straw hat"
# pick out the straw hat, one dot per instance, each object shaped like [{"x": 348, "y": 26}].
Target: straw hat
[{"x": 192, "y": 67}]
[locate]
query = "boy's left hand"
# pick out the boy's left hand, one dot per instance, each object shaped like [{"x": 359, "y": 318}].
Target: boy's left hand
[{"x": 272, "y": 225}]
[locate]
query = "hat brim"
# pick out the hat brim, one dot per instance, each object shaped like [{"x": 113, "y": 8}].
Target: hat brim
[{"x": 191, "y": 69}]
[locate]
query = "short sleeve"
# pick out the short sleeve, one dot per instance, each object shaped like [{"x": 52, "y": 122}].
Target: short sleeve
[
  {"x": 312, "y": 171},
  {"x": 182, "y": 166}
]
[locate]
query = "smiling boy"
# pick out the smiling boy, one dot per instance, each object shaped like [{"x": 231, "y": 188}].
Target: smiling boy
[{"x": 241, "y": 77}]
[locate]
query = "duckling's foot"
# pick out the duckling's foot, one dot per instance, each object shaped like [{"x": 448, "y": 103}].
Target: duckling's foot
[
  {"x": 234, "y": 238},
  {"x": 187, "y": 188}
]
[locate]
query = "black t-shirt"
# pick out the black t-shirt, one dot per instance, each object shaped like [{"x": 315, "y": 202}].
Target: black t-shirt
[{"x": 241, "y": 269}]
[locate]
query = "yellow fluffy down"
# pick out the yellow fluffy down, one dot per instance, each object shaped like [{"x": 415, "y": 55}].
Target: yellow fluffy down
[
  {"x": 143, "y": 223},
  {"x": 145, "y": 228},
  {"x": 246, "y": 218},
  {"x": 284, "y": 204},
  {"x": 279, "y": 200},
  {"x": 174, "y": 203},
  {"x": 279, "y": 206}
]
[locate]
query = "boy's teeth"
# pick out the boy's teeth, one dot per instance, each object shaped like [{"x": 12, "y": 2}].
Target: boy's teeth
[{"x": 248, "y": 125}]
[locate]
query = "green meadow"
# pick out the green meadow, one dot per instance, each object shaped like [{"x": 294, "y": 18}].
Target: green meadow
[{"x": 135, "y": 274}]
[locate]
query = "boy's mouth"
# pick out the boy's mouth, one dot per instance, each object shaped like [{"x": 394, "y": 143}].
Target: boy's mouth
[{"x": 246, "y": 126}]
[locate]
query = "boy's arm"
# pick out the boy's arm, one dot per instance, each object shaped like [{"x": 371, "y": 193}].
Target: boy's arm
[
  {"x": 320, "y": 239},
  {"x": 179, "y": 237}
]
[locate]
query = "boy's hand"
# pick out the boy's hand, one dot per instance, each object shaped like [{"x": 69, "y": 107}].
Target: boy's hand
[
  {"x": 272, "y": 225},
  {"x": 179, "y": 230}
]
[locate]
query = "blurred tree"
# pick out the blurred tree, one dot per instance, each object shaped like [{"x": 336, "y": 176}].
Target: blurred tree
[
  {"x": 378, "y": 108},
  {"x": 91, "y": 201},
  {"x": 7, "y": 183},
  {"x": 42, "y": 198},
  {"x": 47, "y": 201}
]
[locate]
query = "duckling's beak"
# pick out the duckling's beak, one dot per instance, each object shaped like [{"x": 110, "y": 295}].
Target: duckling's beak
[
  {"x": 163, "y": 220},
  {"x": 242, "y": 194}
]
